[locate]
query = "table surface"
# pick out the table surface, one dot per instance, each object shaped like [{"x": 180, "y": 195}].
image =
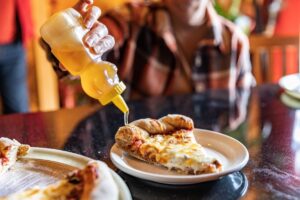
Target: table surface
[{"x": 259, "y": 119}]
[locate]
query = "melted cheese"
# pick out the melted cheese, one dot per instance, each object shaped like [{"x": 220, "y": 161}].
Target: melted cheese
[{"x": 178, "y": 151}]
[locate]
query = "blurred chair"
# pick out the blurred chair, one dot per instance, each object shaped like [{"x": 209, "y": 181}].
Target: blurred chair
[{"x": 273, "y": 57}]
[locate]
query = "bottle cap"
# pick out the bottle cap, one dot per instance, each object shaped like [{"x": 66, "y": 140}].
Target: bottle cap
[{"x": 114, "y": 95}]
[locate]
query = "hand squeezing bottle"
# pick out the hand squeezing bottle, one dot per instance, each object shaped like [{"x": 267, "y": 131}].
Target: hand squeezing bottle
[{"x": 64, "y": 32}]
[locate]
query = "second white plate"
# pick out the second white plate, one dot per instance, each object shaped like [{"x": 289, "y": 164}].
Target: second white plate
[
  {"x": 231, "y": 153},
  {"x": 291, "y": 85},
  {"x": 43, "y": 166}
]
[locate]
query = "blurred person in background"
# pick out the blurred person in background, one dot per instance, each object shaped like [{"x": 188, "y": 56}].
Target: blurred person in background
[
  {"x": 172, "y": 47},
  {"x": 16, "y": 30},
  {"x": 176, "y": 47}
]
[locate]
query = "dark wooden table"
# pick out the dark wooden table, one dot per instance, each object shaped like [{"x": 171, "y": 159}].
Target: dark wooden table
[{"x": 267, "y": 127}]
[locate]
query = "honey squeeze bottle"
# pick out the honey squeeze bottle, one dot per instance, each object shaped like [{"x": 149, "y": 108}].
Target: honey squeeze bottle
[{"x": 64, "y": 32}]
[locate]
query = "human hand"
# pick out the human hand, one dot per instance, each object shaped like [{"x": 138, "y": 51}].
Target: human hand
[{"x": 97, "y": 38}]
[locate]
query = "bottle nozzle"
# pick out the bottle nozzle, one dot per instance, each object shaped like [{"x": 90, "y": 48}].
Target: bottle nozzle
[
  {"x": 114, "y": 95},
  {"x": 120, "y": 103}
]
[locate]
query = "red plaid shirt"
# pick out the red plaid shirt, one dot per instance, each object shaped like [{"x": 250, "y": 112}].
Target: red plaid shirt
[{"x": 151, "y": 62}]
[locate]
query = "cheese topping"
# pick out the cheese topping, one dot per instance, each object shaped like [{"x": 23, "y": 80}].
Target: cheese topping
[{"x": 177, "y": 151}]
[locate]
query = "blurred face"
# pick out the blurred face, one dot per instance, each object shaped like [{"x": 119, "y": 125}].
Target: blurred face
[{"x": 191, "y": 12}]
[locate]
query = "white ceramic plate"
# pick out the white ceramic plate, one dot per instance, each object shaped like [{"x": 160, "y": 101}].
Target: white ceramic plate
[
  {"x": 291, "y": 85},
  {"x": 43, "y": 166},
  {"x": 231, "y": 153}
]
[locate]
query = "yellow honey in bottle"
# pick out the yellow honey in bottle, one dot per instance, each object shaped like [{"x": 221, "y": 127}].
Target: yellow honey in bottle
[
  {"x": 100, "y": 81},
  {"x": 67, "y": 59},
  {"x": 64, "y": 32}
]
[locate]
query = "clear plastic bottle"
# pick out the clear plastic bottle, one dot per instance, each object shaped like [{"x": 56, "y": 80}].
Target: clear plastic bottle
[{"x": 64, "y": 32}]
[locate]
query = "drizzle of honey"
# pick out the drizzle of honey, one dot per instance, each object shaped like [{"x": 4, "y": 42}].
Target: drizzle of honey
[{"x": 126, "y": 115}]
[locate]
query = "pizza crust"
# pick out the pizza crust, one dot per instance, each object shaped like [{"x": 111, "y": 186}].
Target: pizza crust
[
  {"x": 10, "y": 151},
  {"x": 94, "y": 182},
  {"x": 164, "y": 125}
]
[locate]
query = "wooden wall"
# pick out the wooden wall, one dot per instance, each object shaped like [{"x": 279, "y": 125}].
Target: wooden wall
[{"x": 41, "y": 77}]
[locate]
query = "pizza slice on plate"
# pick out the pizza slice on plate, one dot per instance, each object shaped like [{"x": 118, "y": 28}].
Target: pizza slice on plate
[
  {"x": 167, "y": 142},
  {"x": 10, "y": 151},
  {"x": 94, "y": 182}
]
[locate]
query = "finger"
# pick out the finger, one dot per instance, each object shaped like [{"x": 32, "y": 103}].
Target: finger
[
  {"x": 97, "y": 32},
  {"x": 82, "y": 5},
  {"x": 104, "y": 45},
  {"x": 91, "y": 16}
]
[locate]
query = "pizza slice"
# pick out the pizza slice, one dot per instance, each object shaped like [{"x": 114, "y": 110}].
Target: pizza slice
[
  {"x": 167, "y": 142},
  {"x": 10, "y": 151},
  {"x": 94, "y": 182}
]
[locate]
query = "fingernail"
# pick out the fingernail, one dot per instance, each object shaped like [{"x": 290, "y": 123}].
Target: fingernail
[
  {"x": 88, "y": 23},
  {"x": 99, "y": 48},
  {"x": 90, "y": 41}
]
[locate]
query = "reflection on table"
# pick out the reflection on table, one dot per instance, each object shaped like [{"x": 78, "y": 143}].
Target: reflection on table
[{"x": 268, "y": 128}]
